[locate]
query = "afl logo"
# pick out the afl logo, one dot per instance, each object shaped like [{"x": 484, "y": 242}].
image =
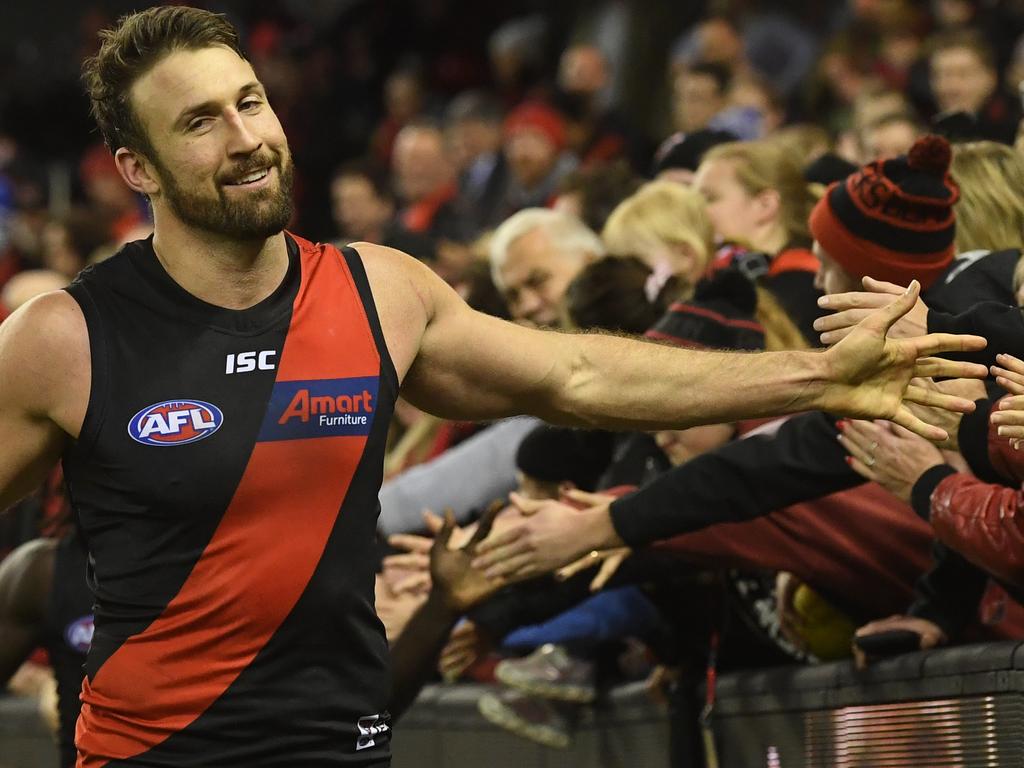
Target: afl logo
[
  {"x": 175, "y": 422},
  {"x": 78, "y": 634}
]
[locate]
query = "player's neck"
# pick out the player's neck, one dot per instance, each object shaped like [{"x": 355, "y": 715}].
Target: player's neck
[{"x": 233, "y": 274}]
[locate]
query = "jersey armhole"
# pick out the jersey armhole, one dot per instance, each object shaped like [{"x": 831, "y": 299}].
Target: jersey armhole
[
  {"x": 355, "y": 268},
  {"x": 96, "y": 410}
]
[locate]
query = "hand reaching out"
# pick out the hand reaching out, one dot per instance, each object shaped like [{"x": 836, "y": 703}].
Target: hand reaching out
[{"x": 887, "y": 454}]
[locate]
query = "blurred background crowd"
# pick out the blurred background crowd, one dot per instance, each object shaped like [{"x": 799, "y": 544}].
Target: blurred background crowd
[{"x": 629, "y": 166}]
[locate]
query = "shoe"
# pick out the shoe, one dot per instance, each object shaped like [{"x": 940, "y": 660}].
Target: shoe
[
  {"x": 528, "y": 716},
  {"x": 550, "y": 672}
]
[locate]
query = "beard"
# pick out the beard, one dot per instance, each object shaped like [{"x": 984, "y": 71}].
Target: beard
[{"x": 256, "y": 215}]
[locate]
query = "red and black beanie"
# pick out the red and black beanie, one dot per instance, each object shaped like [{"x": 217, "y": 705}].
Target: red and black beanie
[
  {"x": 893, "y": 219},
  {"x": 720, "y": 316}
]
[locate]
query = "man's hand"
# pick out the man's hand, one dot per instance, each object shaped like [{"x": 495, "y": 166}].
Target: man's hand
[
  {"x": 1009, "y": 418},
  {"x": 850, "y": 308},
  {"x": 969, "y": 389},
  {"x": 457, "y": 583},
  {"x": 931, "y": 635},
  {"x": 791, "y": 623},
  {"x": 465, "y": 646},
  {"x": 870, "y": 374},
  {"x": 551, "y": 534},
  {"x": 888, "y": 455},
  {"x": 609, "y": 560}
]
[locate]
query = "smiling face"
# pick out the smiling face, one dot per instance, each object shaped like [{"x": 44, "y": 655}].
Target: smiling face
[{"x": 220, "y": 160}]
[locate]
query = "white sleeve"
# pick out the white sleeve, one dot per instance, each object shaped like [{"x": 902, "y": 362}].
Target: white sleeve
[{"x": 467, "y": 477}]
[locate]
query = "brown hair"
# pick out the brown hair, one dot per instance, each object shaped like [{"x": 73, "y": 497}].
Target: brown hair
[
  {"x": 970, "y": 39},
  {"x": 612, "y": 294},
  {"x": 133, "y": 47}
]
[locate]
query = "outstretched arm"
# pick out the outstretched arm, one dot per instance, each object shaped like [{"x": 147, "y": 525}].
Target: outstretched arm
[{"x": 463, "y": 364}]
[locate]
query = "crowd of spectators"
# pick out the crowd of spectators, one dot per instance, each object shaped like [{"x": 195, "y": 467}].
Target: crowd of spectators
[{"x": 705, "y": 178}]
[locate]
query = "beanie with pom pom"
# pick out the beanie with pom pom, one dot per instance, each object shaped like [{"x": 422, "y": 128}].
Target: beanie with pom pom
[{"x": 892, "y": 219}]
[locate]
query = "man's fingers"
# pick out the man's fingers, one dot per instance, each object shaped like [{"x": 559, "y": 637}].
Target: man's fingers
[
  {"x": 937, "y": 367},
  {"x": 1011, "y": 363},
  {"x": 412, "y": 585},
  {"x": 410, "y": 542},
  {"x": 935, "y": 399},
  {"x": 1011, "y": 432},
  {"x": 433, "y": 521},
  {"x": 841, "y": 320},
  {"x": 607, "y": 570},
  {"x": 885, "y": 318},
  {"x": 881, "y": 286},
  {"x": 500, "y": 539},
  {"x": 834, "y": 337},
  {"x": 483, "y": 526},
  {"x": 515, "y": 568},
  {"x": 841, "y": 302},
  {"x": 1009, "y": 385},
  {"x": 444, "y": 536},
  {"x": 570, "y": 570},
  {"x": 909, "y": 421},
  {"x": 587, "y": 498},
  {"x": 938, "y": 343},
  {"x": 513, "y": 548},
  {"x": 412, "y": 561}
]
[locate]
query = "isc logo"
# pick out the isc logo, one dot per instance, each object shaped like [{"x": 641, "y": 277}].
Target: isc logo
[
  {"x": 244, "y": 362},
  {"x": 175, "y": 422}
]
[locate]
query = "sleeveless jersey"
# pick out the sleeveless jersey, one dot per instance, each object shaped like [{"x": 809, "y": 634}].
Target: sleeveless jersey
[
  {"x": 67, "y": 633},
  {"x": 226, "y": 481}
]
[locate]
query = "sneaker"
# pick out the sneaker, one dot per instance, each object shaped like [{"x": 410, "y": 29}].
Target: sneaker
[
  {"x": 527, "y": 716},
  {"x": 550, "y": 672}
]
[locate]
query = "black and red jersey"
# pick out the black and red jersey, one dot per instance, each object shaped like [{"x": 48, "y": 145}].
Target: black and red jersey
[{"x": 226, "y": 481}]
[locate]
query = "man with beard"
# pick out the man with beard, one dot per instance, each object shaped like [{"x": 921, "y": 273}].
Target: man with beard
[{"x": 220, "y": 395}]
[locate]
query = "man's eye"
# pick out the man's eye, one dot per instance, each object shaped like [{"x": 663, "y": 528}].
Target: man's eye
[
  {"x": 199, "y": 123},
  {"x": 250, "y": 104}
]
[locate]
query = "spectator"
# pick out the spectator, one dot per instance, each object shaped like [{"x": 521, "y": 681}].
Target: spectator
[
  {"x": 666, "y": 226},
  {"x": 889, "y": 136},
  {"x": 699, "y": 93},
  {"x": 535, "y": 150},
  {"x": 474, "y": 134},
  {"x": 758, "y": 200},
  {"x": 425, "y": 180},
  {"x": 964, "y": 79},
  {"x": 534, "y": 256},
  {"x": 403, "y": 102},
  {"x": 591, "y": 194},
  {"x": 680, "y": 154},
  {"x": 364, "y": 210}
]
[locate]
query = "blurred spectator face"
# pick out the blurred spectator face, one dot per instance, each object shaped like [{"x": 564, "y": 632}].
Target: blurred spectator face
[
  {"x": 832, "y": 278},
  {"x": 872, "y": 107},
  {"x": 359, "y": 212},
  {"x": 583, "y": 70},
  {"x": 403, "y": 97},
  {"x": 697, "y": 99},
  {"x": 752, "y": 95},
  {"x": 469, "y": 140},
  {"x": 535, "y": 277},
  {"x": 531, "y": 156},
  {"x": 888, "y": 140},
  {"x": 733, "y": 211},
  {"x": 720, "y": 41},
  {"x": 682, "y": 445},
  {"x": 221, "y": 161},
  {"x": 420, "y": 164},
  {"x": 960, "y": 80},
  {"x": 952, "y": 13},
  {"x": 58, "y": 252}
]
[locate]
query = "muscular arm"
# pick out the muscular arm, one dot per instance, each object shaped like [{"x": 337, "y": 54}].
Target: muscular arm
[
  {"x": 44, "y": 375},
  {"x": 461, "y": 364},
  {"x": 26, "y": 577}
]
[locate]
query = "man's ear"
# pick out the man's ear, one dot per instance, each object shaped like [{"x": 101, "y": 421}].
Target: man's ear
[
  {"x": 137, "y": 171},
  {"x": 769, "y": 203}
]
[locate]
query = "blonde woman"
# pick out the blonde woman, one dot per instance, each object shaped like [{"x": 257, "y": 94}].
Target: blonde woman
[
  {"x": 758, "y": 201},
  {"x": 990, "y": 214},
  {"x": 665, "y": 225}
]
